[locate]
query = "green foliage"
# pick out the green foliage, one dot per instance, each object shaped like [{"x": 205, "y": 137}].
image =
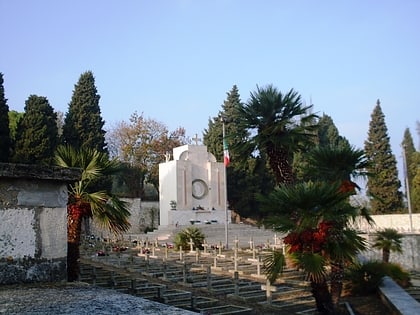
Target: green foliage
[
  {"x": 317, "y": 217},
  {"x": 273, "y": 265},
  {"x": 83, "y": 124},
  {"x": 411, "y": 165},
  {"x": 142, "y": 143},
  {"x": 107, "y": 209},
  {"x": 247, "y": 175},
  {"x": 383, "y": 186},
  {"x": 14, "y": 119},
  {"x": 335, "y": 163},
  {"x": 415, "y": 187},
  {"x": 5, "y": 140},
  {"x": 327, "y": 138},
  {"x": 398, "y": 274},
  {"x": 328, "y": 135},
  {"x": 388, "y": 240},
  {"x": 37, "y": 133},
  {"x": 127, "y": 183},
  {"x": 365, "y": 278},
  {"x": 184, "y": 237},
  {"x": 278, "y": 125}
]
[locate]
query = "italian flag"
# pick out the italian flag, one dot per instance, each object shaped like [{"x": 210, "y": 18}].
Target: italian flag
[{"x": 226, "y": 153}]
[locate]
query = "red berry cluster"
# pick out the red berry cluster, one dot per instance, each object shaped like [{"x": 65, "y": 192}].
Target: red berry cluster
[{"x": 309, "y": 240}]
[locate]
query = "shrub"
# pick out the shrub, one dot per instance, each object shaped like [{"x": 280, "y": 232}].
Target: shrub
[
  {"x": 398, "y": 274},
  {"x": 192, "y": 233},
  {"x": 365, "y": 278}
]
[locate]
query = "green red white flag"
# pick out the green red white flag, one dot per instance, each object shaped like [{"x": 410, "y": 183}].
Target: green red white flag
[{"x": 226, "y": 153}]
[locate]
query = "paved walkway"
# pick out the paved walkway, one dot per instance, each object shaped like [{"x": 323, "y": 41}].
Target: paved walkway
[{"x": 77, "y": 299}]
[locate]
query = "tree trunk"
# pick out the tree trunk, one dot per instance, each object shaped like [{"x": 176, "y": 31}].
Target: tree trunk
[
  {"x": 322, "y": 297},
  {"x": 74, "y": 227},
  {"x": 280, "y": 165},
  {"x": 385, "y": 255},
  {"x": 337, "y": 276}
]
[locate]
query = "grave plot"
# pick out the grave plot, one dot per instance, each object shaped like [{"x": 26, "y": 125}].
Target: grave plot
[
  {"x": 414, "y": 288},
  {"x": 142, "y": 287},
  {"x": 233, "y": 275}
]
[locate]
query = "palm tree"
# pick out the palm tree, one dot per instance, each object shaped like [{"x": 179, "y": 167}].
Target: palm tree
[
  {"x": 339, "y": 164},
  {"x": 388, "y": 240},
  {"x": 280, "y": 124},
  {"x": 183, "y": 238},
  {"x": 316, "y": 216},
  {"x": 108, "y": 210}
]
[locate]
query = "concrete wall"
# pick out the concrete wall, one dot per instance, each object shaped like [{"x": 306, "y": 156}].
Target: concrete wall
[
  {"x": 404, "y": 223},
  {"x": 33, "y": 223},
  {"x": 144, "y": 214}
]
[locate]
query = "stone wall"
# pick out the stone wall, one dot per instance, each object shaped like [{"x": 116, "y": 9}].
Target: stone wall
[
  {"x": 33, "y": 222},
  {"x": 403, "y": 223},
  {"x": 144, "y": 215}
]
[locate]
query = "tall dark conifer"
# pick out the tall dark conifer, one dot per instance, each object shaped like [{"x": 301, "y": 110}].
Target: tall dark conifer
[
  {"x": 83, "y": 124},
  {"x": 409, "y": 150},
  {"x": 328, "y": 134},
  {"x": 383, "y": 183},
  {"x": 411, "y": 167},
  {"x": 5, "y": 142},
  {"x": 37, "y": 133}
]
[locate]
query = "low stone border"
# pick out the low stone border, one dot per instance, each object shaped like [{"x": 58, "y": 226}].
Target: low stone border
[{"x": 398, "y": 299}]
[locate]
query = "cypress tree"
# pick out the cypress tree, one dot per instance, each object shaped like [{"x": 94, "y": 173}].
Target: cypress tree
[
  {"x": 5, "y": 142},
  {"x": 328, "y": 134},
  {"x": 383, "y": 183},
  {"x": 415, "y": 183},
  {"x": 83, "y": 124},
  {"x": 14, "y": 118},
  {"x": 37, "y": 133},
  {"x": 410, "y": 168}
]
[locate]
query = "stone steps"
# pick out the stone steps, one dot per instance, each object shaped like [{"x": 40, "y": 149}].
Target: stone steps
[{"x": 214, "y": 234}]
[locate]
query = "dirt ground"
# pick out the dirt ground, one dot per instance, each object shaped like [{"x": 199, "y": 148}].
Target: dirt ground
[{"x": 367, "y": 305}]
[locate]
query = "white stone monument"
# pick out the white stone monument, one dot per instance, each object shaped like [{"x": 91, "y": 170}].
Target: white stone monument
[{"x": 192, "y": 188}]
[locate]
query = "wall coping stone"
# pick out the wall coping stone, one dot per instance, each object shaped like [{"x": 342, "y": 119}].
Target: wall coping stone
[
  {"x": 397, "y": 298},
  {"x": 40, "y": 172}
]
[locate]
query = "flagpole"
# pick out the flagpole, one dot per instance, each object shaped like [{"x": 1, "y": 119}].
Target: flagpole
[{"x": 225, "y": 168}]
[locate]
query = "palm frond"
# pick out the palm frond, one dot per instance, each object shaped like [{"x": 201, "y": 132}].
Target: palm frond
[
  {"x": 346, "y": 247},
  {"x": 273, "y": 265},
  {"x": 313, "y": 263}
]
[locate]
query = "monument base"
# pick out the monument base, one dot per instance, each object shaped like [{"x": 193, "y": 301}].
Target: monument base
[{"x": 196, "y": 217}]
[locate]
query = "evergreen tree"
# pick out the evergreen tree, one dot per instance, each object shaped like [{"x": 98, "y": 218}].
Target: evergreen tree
[
  {"x": 328, "y": 134},
  {"x": 246, "y": 175},
  {"x": 83, "y": 124},
  {"x": 410, "y": 168},
  {"x": 279, "y": 125},
  {"x": 5, "y": 142},
  {"x": 37, "y": 133},
  {"x": 14, "y": 119},
  {"x": 383, "y": 183},
  {"x": 415, "y": 184}
]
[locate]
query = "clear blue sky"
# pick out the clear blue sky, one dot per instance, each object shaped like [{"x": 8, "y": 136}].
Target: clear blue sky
[{"x": 175, "y": 60}]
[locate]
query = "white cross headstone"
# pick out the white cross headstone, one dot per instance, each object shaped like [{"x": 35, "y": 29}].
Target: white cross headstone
[
  {"x": 191, "y": 245},
  {"x": 196, "y": 139},
  {"x": 251, "y": 244}
]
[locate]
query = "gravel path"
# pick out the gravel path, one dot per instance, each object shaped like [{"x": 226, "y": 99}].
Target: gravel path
[{"x": 76, "y": 299}]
